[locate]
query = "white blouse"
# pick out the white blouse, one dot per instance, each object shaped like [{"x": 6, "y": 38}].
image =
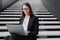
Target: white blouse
[{"x": 25, "y": 23}]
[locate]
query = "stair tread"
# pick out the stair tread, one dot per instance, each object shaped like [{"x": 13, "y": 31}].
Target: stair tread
[
  {"x": 48, "y": 18},
  {"x": 21, "y": 12},
  {"x": 9, "y": 22},
  {"x": 3, "y": 34},
  {"x": 3, "y": 27},
  {"x": 40, "y": 33},
  {"x": 48, "y": 38},
  {"x": 48, "y": 22},
  {"x": 40, "y": 22},
  {"x": 49, "y": 33},
  {"x": 40, "y": 27},
  {"x": 38, "y": 18},
  {"x": 44, "y": 39},
  {"x": 49, "y": 27},
  {"x": 21, "y": 15}
]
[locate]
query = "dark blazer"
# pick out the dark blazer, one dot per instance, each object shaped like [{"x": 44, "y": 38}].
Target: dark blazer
[{"x": 33, "y": 25}]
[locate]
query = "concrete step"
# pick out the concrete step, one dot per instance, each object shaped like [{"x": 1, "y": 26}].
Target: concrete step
[
  {"x": 40, "y": 27},
  {"x": 10, "y": 15},
  {"x": 49, "y": 22},
  {"x": 21, "y": 10},
  {"x": 47, "y": 18},
  {"x": 33, "y": 6},
  {"x": 49, "y": 33},
  {"x": 48, "y": 38},
  {"x": 45, "y": 15},
  {"x": 19, "y": 18},
  {"x": 9, "y": 18},
  {"x": 13, "y": 8},
  {"x": 41, "y": 33},
  {"x": 40, "y": 22},
  {"x": 49, "y": 27},
  {"x": 44, "y": 39},
  {"x": 16, "y": 6},
  {"x": 35, "y": 15},
  {"x": 3, "y": 34},
  {"x": 42, "y": 13},
  {"x": 11, "y": 12},
  {"x": 32, "y": 10},
  {"x": 3, "y": 27},
  {"x": 9, "y": 22},
  {"x": 21, "y": 13}
]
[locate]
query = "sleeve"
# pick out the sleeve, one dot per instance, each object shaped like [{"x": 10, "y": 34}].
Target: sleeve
[
  {"x": 20, "y": 20},
  {"x": 36, "y": 27}
]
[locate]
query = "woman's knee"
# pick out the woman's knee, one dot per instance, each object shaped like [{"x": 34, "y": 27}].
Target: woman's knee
[{"x": 7, "y": 37}]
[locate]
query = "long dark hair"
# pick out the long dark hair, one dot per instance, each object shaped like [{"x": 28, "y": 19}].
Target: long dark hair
[{"x": 27, "y": 4}]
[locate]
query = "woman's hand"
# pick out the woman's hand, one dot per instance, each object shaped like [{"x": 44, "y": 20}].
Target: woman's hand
[{"x": 27, "y": 32}]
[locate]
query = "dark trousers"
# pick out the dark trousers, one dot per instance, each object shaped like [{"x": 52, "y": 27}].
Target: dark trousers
[{"x": 19, "y": 37}]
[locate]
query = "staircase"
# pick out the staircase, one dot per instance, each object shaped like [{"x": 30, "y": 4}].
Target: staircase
[{"x": 49, "y": 26}]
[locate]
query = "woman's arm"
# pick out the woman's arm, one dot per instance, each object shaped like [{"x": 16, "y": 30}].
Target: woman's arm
[
  {"x": 20, "y": 20},
  {"x": 36, "y": 27}
]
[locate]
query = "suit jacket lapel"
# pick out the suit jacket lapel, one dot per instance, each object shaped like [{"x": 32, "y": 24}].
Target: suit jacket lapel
[
  {"x": 29, "y": 23},
  {"x": 22, "y": 20}
]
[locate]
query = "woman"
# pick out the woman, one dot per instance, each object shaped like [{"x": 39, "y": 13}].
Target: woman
[{"x": 29, "y": 22}]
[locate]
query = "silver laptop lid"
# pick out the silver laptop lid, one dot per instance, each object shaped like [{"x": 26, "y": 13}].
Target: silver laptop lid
[{"x": 18, "y": 29}]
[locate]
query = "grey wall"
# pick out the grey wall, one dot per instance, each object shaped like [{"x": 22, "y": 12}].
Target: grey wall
[
  {"x": 5, "y": 3},
  {"x": 0, "y": 4},
  {"x": 36, "y": 4},
  {"x": 53, "y": 6}
]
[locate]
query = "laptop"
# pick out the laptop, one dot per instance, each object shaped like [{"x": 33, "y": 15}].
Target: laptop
[{"x": 17, "y": 29}]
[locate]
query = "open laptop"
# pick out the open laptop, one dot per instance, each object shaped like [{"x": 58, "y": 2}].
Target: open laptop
[{"x": 17, "y": 29}]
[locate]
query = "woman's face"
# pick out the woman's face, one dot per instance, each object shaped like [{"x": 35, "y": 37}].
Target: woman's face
[{"x": 26, "y": 10}]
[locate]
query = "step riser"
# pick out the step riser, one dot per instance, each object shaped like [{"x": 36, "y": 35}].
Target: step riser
[
  {"x": 35, "y": 15},
  {"x": 49, "y": 39},
  {"x": 19, "y": 18},
  {"x": 40, "y": 27},
  {"x": 41, "y": 33},
  {"x": 21, "y": 12},
  {"x": 49, "y": 33},
  {"x": 40, "y": 22}
]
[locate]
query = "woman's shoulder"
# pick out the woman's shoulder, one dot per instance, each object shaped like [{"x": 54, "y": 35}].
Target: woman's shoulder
[
  {"x": 35, "y": 17},
  {"x": 21, "y": 17}
]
